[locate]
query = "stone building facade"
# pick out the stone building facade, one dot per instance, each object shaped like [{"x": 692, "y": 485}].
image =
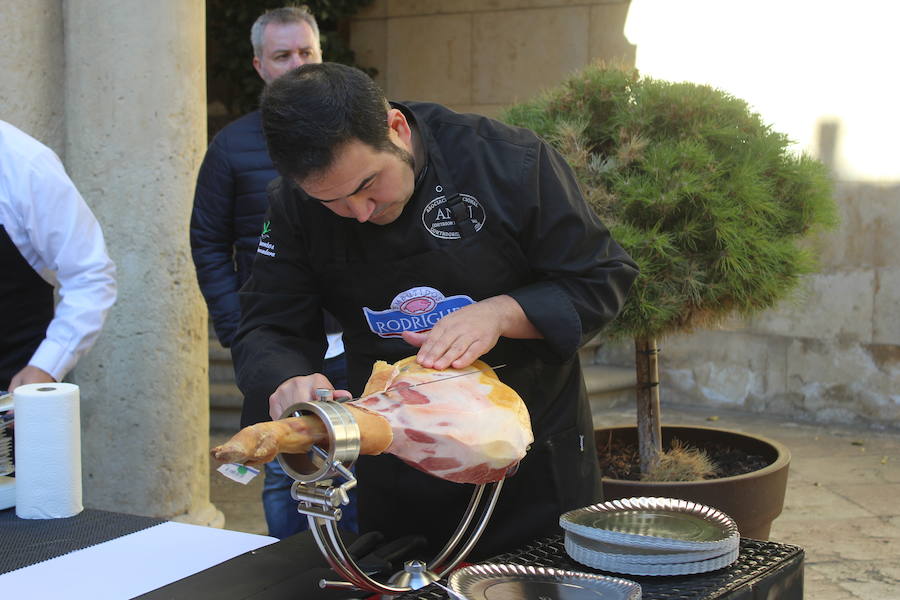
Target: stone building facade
[
  {"x": 117, "y": 89},
  {"x": 481, "y": 55}
]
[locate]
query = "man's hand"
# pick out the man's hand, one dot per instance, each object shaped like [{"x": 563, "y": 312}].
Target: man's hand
[
  {"x": 30, "y": 374},
  {"x": 300, "y": 389},
  {"x": 460, "y": 338}
]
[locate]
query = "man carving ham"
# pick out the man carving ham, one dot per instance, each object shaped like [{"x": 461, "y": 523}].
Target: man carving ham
[{"x": 517, "y": 271}]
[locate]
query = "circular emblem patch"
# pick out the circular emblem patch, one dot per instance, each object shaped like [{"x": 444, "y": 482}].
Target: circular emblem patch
[{"x": 438, "y": 218}]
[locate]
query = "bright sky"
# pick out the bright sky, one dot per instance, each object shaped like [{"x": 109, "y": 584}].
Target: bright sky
[{"x": 797, "y": 62}]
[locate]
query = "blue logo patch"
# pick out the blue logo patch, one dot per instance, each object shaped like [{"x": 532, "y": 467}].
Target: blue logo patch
[{"x": 416, "y": 309}]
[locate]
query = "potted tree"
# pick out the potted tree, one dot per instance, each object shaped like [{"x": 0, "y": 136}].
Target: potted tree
[{"x": 714, "y": 207}]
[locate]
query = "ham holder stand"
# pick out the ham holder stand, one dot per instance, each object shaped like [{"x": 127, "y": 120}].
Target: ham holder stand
[{"x": 320, "y": 498}]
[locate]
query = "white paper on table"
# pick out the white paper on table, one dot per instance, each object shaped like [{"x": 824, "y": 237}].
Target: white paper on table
[{"x": 131, "y": 565}]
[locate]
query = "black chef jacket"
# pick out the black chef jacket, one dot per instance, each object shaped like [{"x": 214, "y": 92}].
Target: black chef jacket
[{"x": 495, "y": 211}]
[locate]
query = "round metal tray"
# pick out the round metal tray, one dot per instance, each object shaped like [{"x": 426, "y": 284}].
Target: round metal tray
[
  {"x": 515, "y": 582},
  {"x": 656, "y": 523}
]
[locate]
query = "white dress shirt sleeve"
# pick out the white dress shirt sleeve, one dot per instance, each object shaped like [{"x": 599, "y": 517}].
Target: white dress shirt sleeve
[{"x": 60, "y": 233}]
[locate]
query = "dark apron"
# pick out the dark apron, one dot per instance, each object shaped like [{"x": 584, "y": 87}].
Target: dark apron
[
  {"x": 26, "y": 306},
  {"x": 559, "y": 472}
]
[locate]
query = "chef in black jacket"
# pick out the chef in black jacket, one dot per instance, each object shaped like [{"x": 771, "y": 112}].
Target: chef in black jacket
[{"x": 449, "y": 236}]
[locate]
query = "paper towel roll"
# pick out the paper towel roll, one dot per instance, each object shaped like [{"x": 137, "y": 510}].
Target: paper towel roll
[{"x": 48, "y": 451}]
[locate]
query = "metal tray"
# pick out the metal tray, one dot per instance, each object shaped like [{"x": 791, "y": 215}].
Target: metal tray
[
  {"x": 515, "y": 582},
  {"x": 624, "y": 565},
  {"x": 657, "y": 523}
]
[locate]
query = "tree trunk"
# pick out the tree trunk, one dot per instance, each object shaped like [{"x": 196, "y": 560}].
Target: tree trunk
[{"x": 648, "y": 427}]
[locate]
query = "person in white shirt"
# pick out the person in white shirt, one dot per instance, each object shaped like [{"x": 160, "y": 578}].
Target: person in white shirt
[{"x": 45, "y": 226}]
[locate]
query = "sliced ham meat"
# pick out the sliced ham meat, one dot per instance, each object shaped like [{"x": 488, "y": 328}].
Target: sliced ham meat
[{"x": 470, "y": 429}]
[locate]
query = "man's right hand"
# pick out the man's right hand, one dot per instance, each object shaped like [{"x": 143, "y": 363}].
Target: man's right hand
[
  {"x": 30, "y": 374},
  {"x": 300, "y": 389}
]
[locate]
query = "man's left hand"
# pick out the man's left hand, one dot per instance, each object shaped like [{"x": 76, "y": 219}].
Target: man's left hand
[
  {"x": 460, "y": 338},
  {"x": 30, "y": 374}
]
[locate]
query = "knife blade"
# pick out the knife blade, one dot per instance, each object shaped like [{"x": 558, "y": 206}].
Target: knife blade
[
  {"x": 327, "y": 394},
  {"x": 448, "y": 377}
]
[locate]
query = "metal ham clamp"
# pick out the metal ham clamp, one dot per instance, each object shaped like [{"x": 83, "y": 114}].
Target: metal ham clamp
[{"x": 320, "y": 498}]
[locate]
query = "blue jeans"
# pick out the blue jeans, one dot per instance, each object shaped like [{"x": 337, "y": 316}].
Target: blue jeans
[{"x": 280, "y": 509}]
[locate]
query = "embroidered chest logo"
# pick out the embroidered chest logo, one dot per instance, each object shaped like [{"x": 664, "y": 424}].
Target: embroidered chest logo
[
  {"x": 440, "y": 218},
  {"x": 417, "y": 309}
]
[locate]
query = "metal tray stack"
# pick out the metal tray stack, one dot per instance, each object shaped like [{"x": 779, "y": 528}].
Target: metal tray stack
[{"x": 651, "y": 536}]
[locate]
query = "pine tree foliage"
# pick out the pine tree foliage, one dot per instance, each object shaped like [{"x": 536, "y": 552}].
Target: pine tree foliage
[{"x": 708, "y": 199}]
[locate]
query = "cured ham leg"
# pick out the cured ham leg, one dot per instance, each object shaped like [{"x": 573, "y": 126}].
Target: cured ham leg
[
  {"x": 260, "y": 443},
  {"x": 470, "y": 429}
]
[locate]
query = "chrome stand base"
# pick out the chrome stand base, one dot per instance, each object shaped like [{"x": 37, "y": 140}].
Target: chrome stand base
[{"x": 320, "y": 500}]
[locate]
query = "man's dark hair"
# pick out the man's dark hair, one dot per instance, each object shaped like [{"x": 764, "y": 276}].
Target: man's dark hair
[{"x": 310, "y": 112}]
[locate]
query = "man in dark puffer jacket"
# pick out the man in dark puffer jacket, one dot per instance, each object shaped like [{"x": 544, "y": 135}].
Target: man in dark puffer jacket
[{"x": 230, "y": 204}]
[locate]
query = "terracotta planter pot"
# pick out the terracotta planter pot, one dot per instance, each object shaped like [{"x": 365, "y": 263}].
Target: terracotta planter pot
[{"x": 753, "y": 500}]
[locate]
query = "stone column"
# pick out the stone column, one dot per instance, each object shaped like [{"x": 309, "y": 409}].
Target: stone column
[
  {"x": 135, "y": 135},
  {"x": 31, "y": 67}
]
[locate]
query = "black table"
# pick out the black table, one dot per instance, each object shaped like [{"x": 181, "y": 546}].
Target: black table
[
  {"x": 291, "y": 568},
  {"x": 24, "y": 542}
]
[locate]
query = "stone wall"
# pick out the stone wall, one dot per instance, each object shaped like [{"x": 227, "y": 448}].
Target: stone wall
[
  {"x": 831, "y": 354},
  {"x": 480, "y": 55}
]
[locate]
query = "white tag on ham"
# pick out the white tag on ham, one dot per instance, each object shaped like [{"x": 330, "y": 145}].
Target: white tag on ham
[{"x": 470, "y": 429}]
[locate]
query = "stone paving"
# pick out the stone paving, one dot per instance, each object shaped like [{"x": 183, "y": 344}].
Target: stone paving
[{"x": 841, "y": 507}]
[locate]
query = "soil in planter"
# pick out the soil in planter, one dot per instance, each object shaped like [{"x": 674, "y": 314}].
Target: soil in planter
[{"x": 622, "y": 460}]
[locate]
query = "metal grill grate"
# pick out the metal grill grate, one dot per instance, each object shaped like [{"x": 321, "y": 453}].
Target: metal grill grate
[{"x": 757, "y": 559}]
